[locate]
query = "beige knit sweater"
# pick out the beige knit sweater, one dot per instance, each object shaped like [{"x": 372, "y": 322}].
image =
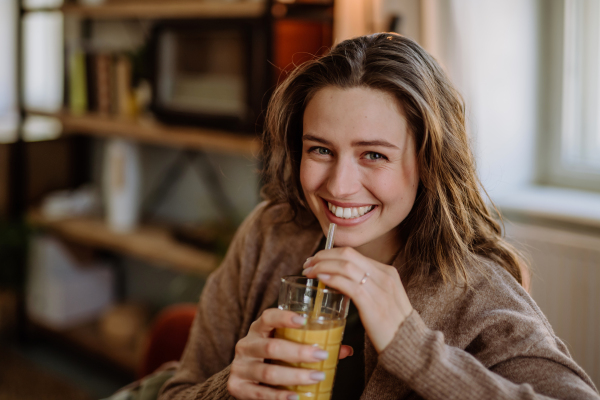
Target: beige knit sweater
[{"x": 491, "y": 342}]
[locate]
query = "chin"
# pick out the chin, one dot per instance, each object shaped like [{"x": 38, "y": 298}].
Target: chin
[{"x": 344, "y": 239}]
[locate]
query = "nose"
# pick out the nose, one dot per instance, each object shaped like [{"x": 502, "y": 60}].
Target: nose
[{"x": 344, "y": 179}]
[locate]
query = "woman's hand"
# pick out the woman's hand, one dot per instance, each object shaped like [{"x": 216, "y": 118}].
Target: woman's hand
[
  {"x": 249, "y": 371},
  {"x": 380, "y": 299}
]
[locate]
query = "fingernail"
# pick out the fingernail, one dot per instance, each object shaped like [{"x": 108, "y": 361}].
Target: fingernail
[
  {"x": 351, "y": 351},
  {"x": 293, "y": 397},
  {"x": 307, "y": 270},
  {"x": 297, "y": 319},
  {"x": 323, "y": 277},
  {"x": 307, "y": 261},
  {"x": 321, "y": 354},
  {"x": 317, "y": 376}
]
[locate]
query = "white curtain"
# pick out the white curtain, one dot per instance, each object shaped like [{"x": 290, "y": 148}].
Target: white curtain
[{"x": 9, "y": 114}]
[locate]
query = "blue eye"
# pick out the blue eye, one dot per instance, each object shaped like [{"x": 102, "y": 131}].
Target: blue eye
[
  {"x": 375, "y": 156},
  {"x": 322, "y": 151}
]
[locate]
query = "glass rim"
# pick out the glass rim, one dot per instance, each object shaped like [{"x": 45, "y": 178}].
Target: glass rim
[{"x": 326, "y": 290}]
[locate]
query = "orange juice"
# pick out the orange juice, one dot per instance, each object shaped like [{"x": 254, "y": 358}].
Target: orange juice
[{"x": 327, "y": 335}]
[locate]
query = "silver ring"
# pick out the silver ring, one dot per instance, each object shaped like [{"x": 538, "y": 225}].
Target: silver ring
[{"x": 364, "y": 279}]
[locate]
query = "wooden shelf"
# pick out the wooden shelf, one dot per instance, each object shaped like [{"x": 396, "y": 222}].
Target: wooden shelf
[
  {"x": 149, "y": 131},
  {"x": 170, "y": 9},
  {"x": 88, "y": 339},
  {"x": 151, "y": 244}
]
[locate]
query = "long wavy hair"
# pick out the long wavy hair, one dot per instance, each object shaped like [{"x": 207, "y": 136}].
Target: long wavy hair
[{"x": 450, "y": 224}]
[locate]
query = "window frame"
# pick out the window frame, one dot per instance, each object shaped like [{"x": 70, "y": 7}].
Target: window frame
[{"x": 553, "y": 169}]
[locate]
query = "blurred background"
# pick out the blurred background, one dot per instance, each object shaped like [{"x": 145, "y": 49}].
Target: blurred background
[{"x": 129, "y": 135}]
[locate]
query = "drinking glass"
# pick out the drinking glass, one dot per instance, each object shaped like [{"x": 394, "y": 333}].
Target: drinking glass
[{"x": 326, "y": 311}]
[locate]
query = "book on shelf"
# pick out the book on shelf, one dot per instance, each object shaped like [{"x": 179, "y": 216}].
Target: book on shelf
[
  {"x": 102, "y": 83},
  {"x": 90, "y": 76},
  {"x": 124, "y": 101},
  {"x": 78, "y": 93}
]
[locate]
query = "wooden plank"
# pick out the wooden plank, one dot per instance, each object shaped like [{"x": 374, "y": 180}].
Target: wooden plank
[
  {"x": 169, "y": 9},
  {"x": 4, "y": 179},
  {"x": 149, "y": 131},
  {"x": 151, "y": 244},
  {"x": 88, "y": 338}
]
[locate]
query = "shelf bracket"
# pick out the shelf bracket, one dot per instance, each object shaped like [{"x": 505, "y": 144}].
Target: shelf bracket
[{"x": 205, "y": 171}]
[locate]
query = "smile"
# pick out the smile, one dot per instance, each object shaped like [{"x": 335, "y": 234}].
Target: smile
[{"x": 349, "y": 212}]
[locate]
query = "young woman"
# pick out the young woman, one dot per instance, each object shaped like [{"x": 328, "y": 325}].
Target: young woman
[{"x": 372, "y": 137}]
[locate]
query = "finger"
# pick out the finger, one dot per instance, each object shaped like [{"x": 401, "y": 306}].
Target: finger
[
  {"x": 281, "y": 349},
  {"x": 329, "y": 254},
  {"x": 360, "y": 294},
  {"x": 250, "y": 390},
  {"x": 346, "y": 351},
  {"x": 344, "y": 253},
  {"x": 273, "y": 374},
  {"x": 335, "y": 266},
  {"x": 273, "y": 318},
  {"x": 348, "y": 254}
]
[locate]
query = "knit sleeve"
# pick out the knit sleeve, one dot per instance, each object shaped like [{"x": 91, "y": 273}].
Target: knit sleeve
[
  {"x": 436, "y": 371},
  {"x": 204, "y": 368}
]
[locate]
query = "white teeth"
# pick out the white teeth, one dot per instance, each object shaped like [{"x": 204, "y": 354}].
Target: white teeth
[{"x": 350, "y": 212}]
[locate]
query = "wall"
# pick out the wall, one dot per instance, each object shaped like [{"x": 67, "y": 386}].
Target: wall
[
  {"x": 504, "y": 92},
  {"x": 362, "y": 17},
  {"x": 566, "y": 286},
  {"x": 409, "y": 11},
  {"x": 490, "y": 50}
]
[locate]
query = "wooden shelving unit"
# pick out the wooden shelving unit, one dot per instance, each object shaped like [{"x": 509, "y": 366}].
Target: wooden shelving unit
[
  {"x": 173, "y": 9},
  {"x": 88, "y": 339},
  {"x": 151, "y": 244},
  {"x": 150, "y": 131}
]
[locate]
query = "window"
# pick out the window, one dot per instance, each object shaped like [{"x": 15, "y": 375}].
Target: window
[
  {"x": 43, "y": 61},
  {"x": 43, "y": 54},
  {"x": 9, "y": 113},
  {"x": 574, "y": 157}
]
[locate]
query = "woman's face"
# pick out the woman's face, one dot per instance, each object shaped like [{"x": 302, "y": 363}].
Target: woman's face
[{"x": 359, "y": 167}]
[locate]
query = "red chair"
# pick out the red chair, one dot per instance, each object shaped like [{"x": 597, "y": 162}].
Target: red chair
[{"x": 168, "y": 336}]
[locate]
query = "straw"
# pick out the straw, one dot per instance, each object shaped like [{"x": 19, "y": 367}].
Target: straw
[
  {"x": 330, "y": 233},
  {"x": 319, "y": 300}
]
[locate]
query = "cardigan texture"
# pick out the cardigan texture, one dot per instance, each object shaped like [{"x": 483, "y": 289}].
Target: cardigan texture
[{"x": 490, "y": 341}]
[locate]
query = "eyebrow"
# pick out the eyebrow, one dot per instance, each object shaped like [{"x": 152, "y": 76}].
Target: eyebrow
[{"x": 361, "y": 143}]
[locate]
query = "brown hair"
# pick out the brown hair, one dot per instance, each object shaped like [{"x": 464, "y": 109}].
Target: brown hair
[{"x": 449, "y": 224}]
